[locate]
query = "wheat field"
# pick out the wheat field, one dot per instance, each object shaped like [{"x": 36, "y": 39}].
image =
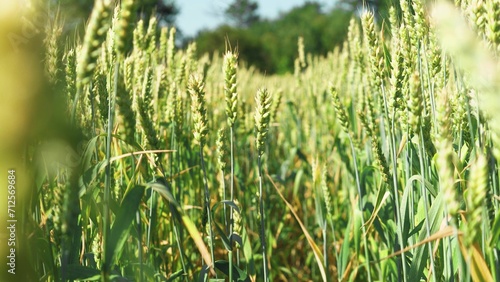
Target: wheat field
[{"x": 377, "y": 162}]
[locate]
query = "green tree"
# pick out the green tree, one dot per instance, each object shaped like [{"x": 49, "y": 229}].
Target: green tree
[
  {"x": 242, "y": 13},
  {"x": 249, "y": 47},
  {"x": 165, "y": 10},
  {"x": 271, "y": 45},
  {"x": 322, "y": 31}
]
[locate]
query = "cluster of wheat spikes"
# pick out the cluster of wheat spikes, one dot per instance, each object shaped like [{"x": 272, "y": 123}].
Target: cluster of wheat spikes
[{"x": 377, "y": 162}]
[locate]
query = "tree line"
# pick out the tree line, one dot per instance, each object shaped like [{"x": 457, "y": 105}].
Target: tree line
[{"x": 270, "y": 45}]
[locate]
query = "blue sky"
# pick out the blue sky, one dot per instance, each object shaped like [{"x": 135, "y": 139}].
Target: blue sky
[{"x": 199, "y": 14}]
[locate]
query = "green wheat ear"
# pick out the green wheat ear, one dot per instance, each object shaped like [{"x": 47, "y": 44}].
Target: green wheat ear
[
  {"x": 397, "y": 107},
  {"x": 171, "y": 50},
  {"x": 144, "y": 110},
  {"x": 493, "y": 24},
  {"x": 326, "y": 192},
  {"x": 238, "y": 224},
  {"x": 415, "y": 104},
  {"x": 190, "y": 59},
  {"x": 374, "y": 50},
  {"x": 276, "y": 104},
  {"x": 139, "y": 36},
  {"x": 52, "y": 57},
  {"x": 262, "y": 118},
  {"x": 444, "y": 146},
  {"x": 196, "y": 88},
  {"x": 124, "y": 27},
  {"x": 151, "y": 36},
  {"x": 221, "y": 149},
  {"x": 476, "y": 195},
  {"x": 94, "y": 37},
  {"x": 339, "y": 110},
  {"x": 70, "y": 74},
  {"x": 230, "y": 65},
  {"x": 125, "y": 108}
]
